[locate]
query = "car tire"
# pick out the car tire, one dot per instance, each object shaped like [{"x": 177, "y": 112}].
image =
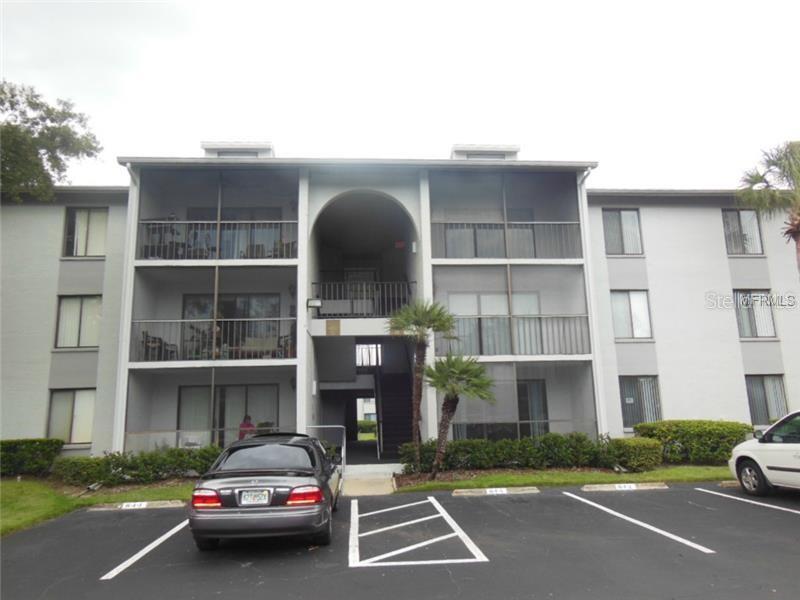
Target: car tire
[
  {"x": 751, "y": 478},
  {"x": 324, "y": 538},
  {"x": 206, "y": 544}
]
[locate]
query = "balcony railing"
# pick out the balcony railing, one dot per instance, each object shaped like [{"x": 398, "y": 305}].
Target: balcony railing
[
  {"x": 197, "y": 240},
  {"x": 195, "y": 339},
  {"x": 509, "y": 240},
  {"x": 529, "y": 335},
  {"x": 521, "y": 429},
  {"x": 361, "y": 299},
  {"x": 145, "y": 441}
]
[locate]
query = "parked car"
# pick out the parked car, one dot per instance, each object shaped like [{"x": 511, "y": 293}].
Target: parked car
[
  {"x": 267, "y": 485},
  {"x": 771, "y": 459}
]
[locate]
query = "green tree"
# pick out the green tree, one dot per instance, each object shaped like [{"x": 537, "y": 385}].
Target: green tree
[
  {"x": 773, "y": 188},
  {"x": 36, "y": 141},
  {"x": 454, "y": 377},
  {"x": 416, "y": 321}
]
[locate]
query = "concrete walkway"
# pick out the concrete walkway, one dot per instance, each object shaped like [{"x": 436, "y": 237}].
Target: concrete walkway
[{"x": 370, "y": 480}]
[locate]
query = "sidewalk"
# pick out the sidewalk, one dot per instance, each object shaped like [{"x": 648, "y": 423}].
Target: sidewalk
[{"x": 370, "y": 480}]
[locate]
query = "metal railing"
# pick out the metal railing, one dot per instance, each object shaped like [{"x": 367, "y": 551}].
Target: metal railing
[
  {"x": 507, "y": 240},
  {"x": 528, "y": 335},
  {"x": 197, "y": 240},
  {"x": 354, "y": 299},
  {"x": 158, "y": 439},
  {"x": 206, "y": 339},
  {"x": 517, "y": 430}
]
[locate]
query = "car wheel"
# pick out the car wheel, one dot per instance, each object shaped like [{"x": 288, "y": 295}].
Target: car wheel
[
  {"x": 324, "y": 538},
  {"x": 206, "y": 544},
  {"x": 751, "y": 478}
]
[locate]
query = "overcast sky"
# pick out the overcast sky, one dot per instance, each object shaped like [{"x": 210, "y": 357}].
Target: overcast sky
[{"x": 662, "y": 94}]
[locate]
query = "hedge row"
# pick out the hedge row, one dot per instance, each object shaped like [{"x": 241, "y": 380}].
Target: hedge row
[
  {"x": 365, "y": 426},
  {"x": 695, "y": 441},
  {"x": 30, "y": 456},
  {"x": 147, "y": 467},
  {"x": 551, "y": 450}
]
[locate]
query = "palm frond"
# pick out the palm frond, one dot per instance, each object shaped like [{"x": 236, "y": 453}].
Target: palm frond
[
  {"x": 774, "y": 187},
  {"x": 418, "y": 319},
  {"x": 458, "y": 376}
]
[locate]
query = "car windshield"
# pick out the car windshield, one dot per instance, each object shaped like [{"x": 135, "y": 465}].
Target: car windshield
[
  {"x": 787, "y": 432},
  {"x": 284, "y": 457}
]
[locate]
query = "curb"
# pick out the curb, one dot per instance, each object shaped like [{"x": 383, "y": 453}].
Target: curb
[
  {"x": 139, "y": 505},
  {"x": 495, "y": 491},
  {"x": 624, "y": 487}
]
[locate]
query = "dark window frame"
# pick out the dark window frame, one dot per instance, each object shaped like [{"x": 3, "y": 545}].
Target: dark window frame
[
  {"x": 80, "y": 319},
  {"x": 739, "y": 212},
  {"x": 72, "y": 412},
  {"x": 72, "y": 210},
  {"x": 619, "y": 211}
]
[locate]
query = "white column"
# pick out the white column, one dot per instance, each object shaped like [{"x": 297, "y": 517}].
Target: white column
[
  {"x": 126, "y": 314},
  {"x": 429, "y": 413},
  {"x": 304, "y": 346},
  {"x": 591, "y": 306}
]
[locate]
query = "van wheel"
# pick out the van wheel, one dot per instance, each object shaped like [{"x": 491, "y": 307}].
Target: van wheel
[
  {"x": 751, "y": 478},
  {"x": 206, "y": 544}
]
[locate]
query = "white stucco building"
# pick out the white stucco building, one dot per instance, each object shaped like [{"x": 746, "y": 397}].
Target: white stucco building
[{"x": 244, "y": 283}]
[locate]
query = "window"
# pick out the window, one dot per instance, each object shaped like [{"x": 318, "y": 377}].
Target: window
[
  {"x": 532, "y": 401},
  {"x": 71, "y": 416},
  {"x": 621, "y": 229},
  {"x": 640, "y": 401},
  {"x": 742, "y": 234},
  {"x": 631, "y": 314},
  {"x": 787, "y": 432},
  {"x": 766, "y": 398},
  {"x": 484, "y": 328},
  {"x": 78, "y": 321},
  {"x": 86, "y": 232},
  {"x": 754, "y": 313},
  {"x": 368, "y": 355}
]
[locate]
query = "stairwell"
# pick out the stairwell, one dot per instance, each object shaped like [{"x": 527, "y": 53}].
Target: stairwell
[{"x": 395, "y": 390}]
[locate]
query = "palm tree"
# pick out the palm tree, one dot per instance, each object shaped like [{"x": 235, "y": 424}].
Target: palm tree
[
  {"x": 456, "y": 376},
  {"x": 774, "y": 188},
  {"x": 416, "y": 321}
]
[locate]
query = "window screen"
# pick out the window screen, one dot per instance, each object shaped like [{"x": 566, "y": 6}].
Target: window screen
[{"x": 640, "y": 400}]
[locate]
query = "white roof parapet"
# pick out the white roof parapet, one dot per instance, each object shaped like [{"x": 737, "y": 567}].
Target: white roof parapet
[
  {"x": 484, "y": 151},
  {"x": 238, "y": 149}
]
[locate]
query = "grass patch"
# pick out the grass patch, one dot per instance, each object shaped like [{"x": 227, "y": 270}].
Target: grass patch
[
  {"x": 557, "y": 477},
  {"x": 28, "y": 502},
  {"x": 365, "y": 437}
]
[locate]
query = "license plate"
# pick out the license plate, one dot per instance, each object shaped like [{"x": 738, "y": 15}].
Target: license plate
[{"x": 250, "y": 497}]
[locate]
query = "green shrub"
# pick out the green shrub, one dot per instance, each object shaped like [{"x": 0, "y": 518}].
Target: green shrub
[
  {"x": 29, "y": 456},
  {"x": 556, "y": 450},
  {"x": 549, "y": 450},
  {"x": 365, "y": 426},
  {"x": 696, "y": 441},
  {"x": 636, "y": 454},
  {"x": 124, "y": 467}
]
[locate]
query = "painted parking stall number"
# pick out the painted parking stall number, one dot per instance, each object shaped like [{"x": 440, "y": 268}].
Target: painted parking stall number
[
  {"x": 625, "y": 486},
  {"x": 496, "y": 491}
]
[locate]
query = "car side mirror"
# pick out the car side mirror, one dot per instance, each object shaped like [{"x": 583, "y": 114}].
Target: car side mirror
[{"x": 758, "y": 434}]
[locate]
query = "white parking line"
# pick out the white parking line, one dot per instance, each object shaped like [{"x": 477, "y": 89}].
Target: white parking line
[
  {"x": 122, "y": 566},
  {"x": 666, "y": 534},
  {"x": 789, "y": 510},
  {"x": 355, "y": 559},
  {"x": 382, "y": 529},
  {"x": 409, "y": 548},
  {"x": 383, "y": 510}
]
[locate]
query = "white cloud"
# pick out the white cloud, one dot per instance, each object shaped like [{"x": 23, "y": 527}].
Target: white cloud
[{"x": 666, "y": 94}]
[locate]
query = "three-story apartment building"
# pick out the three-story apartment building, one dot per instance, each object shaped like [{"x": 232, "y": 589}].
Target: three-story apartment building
[{"x": 240, "y": 283}]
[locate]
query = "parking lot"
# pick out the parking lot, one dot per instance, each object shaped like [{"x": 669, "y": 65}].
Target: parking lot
[{"x": 689, "y": 541}]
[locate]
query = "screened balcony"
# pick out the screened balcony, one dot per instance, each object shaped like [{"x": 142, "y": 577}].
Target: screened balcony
[
  {"x": 528, "y": 335},
  {"x": 208, "y": 339},
  {"x": 506, "y": 240},
  {"x": 518, "y": 310},
  {"x": 201, "y": 240},
  {"x": 505, "y": 215},
  {"x": 227, "y": 214},
  {"x": 179, "y": 316}
]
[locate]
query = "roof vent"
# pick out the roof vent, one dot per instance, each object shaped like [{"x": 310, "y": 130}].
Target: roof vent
[
  {"x": 483, "y": 152},
  {"x": 238, "y": 149}
]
